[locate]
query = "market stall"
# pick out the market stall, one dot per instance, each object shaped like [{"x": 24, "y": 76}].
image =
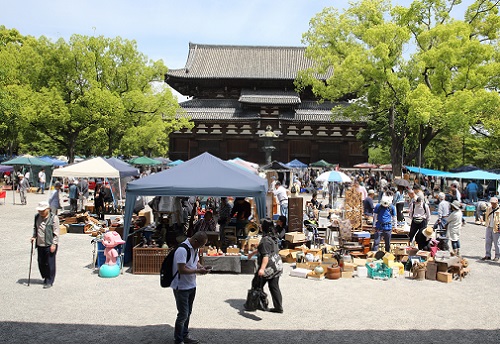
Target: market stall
[{"x": 204, "y": 175}]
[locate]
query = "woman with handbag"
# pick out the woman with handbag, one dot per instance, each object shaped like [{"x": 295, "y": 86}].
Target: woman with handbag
[
  {"x": 419, "y": 216},
  {"x": 269, "y": 267}
]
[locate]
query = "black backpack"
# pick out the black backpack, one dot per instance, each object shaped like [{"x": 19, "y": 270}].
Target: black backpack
[{"x": 166, "y": 275}]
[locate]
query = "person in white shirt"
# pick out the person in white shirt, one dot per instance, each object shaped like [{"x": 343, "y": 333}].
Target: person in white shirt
[
  {"x": 42, "y": 179},
  {"x": 184, "y": 283},
  {"x": 281, "y": 196}
]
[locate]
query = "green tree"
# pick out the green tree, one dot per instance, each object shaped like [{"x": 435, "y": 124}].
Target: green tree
[
  {"x": 93, "y": 91},
  {"x": 445, "y": 85}
]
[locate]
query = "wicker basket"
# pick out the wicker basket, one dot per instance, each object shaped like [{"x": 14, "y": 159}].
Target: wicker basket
[{"x": 148, "y": 260}]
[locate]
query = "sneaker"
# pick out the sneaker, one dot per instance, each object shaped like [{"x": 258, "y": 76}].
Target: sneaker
[
  {"x": 47, "y": 286},
  {"x": 190, "y": 340},
  {"x": 486, "y": 258},
  {"x": 276, "y": 310},
  {"x": 495, "y": 259}
]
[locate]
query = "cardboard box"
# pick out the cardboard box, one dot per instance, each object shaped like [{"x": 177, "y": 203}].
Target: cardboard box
[
  {"x": 444, "y": 277},
  {"x": 63, "y": 229},
  {"x": 431, "y": 272},
  {"x": 400, "y": 251},
  {"x": 317, "y": 253},
  {"x": 232, "y": 251},
  {"x": 312, "y": 275},
  {"x": 295, "y": 237},
  {"x": 288, "y": 255},
  {"x": 308, "y": 265},
  {"x": 89, "y": 208},
  {"x": 389, "y": 260},
  {"x": 347, "y": 274},
  {"x": 424, "y": 254},
  {"x": 359, "y": 262},
  {"x": 329, "y": 257},
  {"x": 348, "y": 267},
  {"x": 326, "y": 264}
]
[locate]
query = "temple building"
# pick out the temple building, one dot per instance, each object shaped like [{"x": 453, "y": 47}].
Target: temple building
[{"x": 239, "y": 92}]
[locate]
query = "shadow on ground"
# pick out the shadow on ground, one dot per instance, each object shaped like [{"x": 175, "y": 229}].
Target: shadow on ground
[{"x": 36, "y": 333}]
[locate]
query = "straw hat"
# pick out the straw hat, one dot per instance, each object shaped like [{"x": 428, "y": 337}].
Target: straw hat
[
  {"x": 455, "y": 204},
  {"x": 428, "y": 232}
]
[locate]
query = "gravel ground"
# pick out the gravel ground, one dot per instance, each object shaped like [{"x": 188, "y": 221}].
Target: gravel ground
[{"x": 83, "y": 308}]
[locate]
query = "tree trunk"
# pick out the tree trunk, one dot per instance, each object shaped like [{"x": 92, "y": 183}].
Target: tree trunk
[
  {"x": 425, "y": 137},
  {"x": 396, "y": 145}
]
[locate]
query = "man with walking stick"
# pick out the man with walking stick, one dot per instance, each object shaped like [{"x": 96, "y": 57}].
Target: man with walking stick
[{"x": 46, "y": 238}]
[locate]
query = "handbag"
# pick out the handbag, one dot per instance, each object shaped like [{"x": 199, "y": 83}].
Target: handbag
[
  {"x": 256, "y": 299},
  {"x": 418, "y": 220},
  {"x": 274, "y": 266}
]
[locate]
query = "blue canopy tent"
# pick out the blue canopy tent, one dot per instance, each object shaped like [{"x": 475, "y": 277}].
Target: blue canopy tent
[
  {"x": 431, "y": 172},
  {"x": 124, "y": 168},
  {"x": 175, "y": 163},
  {"x": 204, "y": 175},
  {"x": 4, "y": 169},
  {"x": 476, "y": 175},
  {"x": 54, "y": 161},
  {"x": 296, "y": 164},
  {"x": 472, "y": 175}
]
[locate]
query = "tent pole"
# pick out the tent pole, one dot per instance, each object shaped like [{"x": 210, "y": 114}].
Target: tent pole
[
  {"x": 120, "y": 188},
  {"x": 12, "y": 177}
]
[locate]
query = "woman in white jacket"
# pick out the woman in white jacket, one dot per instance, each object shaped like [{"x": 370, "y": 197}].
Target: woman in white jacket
[{"x": 454, "y": 226}]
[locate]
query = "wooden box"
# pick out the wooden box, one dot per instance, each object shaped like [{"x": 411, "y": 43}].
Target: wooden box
[
  {"x": 431, "y": 272},
  {"x": 444, "y": 277}
]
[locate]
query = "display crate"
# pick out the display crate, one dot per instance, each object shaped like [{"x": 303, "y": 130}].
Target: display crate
[{"x": 148, "y": 260}]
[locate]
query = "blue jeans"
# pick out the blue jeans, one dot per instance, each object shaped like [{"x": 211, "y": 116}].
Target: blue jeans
[
  {"x": 387, "y": 239},
  {"x": 184, "y": 300},
  {"x": 284, "y": 209}
]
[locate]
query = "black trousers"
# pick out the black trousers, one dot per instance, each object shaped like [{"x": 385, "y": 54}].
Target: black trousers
[
  {"x": 417, "y": 231},
  {"x": 274, "y": 288},
  {"x": 47, "y": 264},
  {"x": 399, "y": 211}
]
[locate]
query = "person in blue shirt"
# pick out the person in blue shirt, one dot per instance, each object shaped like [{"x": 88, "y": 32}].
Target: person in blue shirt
[
  {"x": 472, "y": 190},
  {"x": 384, "y": 220},
  {"x": 368, "y": 204},
  {"x": 73, "y": 197}
]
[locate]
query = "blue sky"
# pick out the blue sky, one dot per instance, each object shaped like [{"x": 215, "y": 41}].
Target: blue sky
[{"x": 163, "y": 29}]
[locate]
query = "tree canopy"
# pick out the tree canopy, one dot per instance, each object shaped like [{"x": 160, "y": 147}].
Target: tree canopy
[
  {"x": 415, "y": 74},
  {"x": 90, "y": 95}
]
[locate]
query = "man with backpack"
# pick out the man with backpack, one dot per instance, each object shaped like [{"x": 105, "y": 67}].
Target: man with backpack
[
  {"x": 185, "y": 267},
  {"x": 384, "y": 220}
]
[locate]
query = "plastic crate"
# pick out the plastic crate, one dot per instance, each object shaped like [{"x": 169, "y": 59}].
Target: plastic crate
[
  {"x": 148, "y": 260},
  {"x": 378, "y": 270}
]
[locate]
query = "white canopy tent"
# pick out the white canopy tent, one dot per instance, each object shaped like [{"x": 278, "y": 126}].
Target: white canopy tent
[{"x": 91, "y": 168}]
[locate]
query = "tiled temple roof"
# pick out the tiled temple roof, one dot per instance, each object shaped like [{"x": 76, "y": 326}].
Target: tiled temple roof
[{"x": 247, "y": 62}]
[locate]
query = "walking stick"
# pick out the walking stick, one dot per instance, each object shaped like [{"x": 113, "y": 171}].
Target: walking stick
[{"x": 31, "y": 261}]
